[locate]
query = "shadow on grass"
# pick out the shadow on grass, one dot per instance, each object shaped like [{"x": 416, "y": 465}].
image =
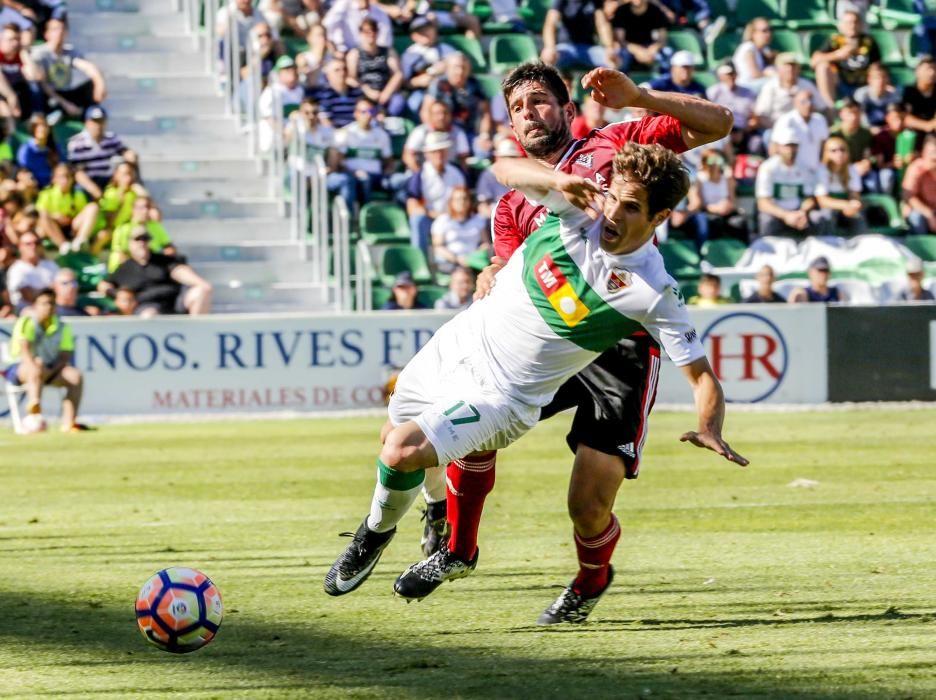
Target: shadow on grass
[{"x": 263, "y": 657}]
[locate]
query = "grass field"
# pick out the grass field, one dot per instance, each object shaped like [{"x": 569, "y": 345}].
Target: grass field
[{"x": 730, "y": 581}]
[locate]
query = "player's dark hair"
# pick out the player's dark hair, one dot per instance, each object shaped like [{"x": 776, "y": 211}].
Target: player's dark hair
[
  {"x": 709, "y": 277},
  {"x": 658, "y": 170},
  {"x": 46, "y": 292},
  {"x": 536, "y": 72}
]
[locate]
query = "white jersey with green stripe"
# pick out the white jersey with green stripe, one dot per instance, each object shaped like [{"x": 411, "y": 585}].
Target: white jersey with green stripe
[{"x": 561, "y": 301}]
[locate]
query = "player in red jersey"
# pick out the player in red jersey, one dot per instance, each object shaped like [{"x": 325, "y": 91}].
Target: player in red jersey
[{"x": 613, "y": 396}]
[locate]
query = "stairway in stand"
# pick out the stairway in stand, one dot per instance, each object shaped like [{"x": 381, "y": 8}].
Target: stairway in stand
[{"x": 163, "y": 101}]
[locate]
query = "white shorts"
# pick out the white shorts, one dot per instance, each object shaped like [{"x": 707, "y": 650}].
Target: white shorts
[{"x": 447, "y": 391}]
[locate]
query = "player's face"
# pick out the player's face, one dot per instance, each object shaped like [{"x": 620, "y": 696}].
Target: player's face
[
  {"x": 43, "y": 307},
  {"x": 539, "y": 122},
  {"x": 627, "y": 225}
]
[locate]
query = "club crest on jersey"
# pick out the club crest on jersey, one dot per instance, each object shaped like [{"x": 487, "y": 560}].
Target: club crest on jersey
[
  {"x": 585, "y": 160},
  {"x": 559, "y": 292},
  {"x": 618, "y": 280}
]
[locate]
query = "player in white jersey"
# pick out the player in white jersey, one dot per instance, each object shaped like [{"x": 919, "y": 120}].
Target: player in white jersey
[{"x": 574, "y": 289}]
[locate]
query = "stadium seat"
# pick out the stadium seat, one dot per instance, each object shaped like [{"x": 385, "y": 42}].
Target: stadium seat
[
  {"x": 380, "y": 296},
  {"x": 401, "y": 258},
  {"x": 806, "y": 14},
  {"x": 723, "y": 48},
  {"x": 88, "y": 269},
  {"x": 65, "y": 129},
  {"x": 747, "y": 10},
  {"x": 792, "y": 42},
  {"x": 922, "y": 246},
  {"x": 891, "y": 55},
  {"x": 815, "y": 40},
  {"x": 723, "y": 252},
  {"x": 533, "y": 12},
  {"x": 383, "y": 223},
  {"x": 294, "y": 45},
  {"x": 689, "y": 288},
  {"x": 430, "y": 294},
  {"x": 681, "y": 258},
  {"x": 687, "y": 40},
  {"x": 491, "y": 84},
  {"x": 883, "y": 208},
  {"x": 471, "y": 47},
  {"x": 915, "y": 46},
  {"x": 705, "y": 78},
  {"x": 398, "y": 128},
  {"x": 898, "y": 14},
  {"x": 901, "y": 76},
  {"x": 507, "y": 50},
  {"x": 480, "y": 9},
  {"x": 401, "y": 42}
]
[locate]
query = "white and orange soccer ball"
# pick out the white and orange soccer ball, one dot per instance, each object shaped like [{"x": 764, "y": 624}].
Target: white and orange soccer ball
[
  {"x": 33, "y": 423},
  {"x": 179, "y": 610}
]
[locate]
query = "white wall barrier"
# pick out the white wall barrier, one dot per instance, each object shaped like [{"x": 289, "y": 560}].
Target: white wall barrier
[{"x": 237, "y": 364}]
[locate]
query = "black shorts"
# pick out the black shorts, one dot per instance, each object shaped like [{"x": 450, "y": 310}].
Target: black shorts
[{"x": 612, "y": 398}]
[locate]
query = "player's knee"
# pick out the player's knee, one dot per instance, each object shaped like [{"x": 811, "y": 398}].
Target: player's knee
[
  {"x": 589, "y": 514},
  {"x": 72, "y": 376},
  {"x": 406, "y": 449}
]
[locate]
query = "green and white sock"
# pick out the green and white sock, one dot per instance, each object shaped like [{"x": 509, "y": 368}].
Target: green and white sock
[
  {"x": 393, "y": 496},
  {"x": 434, "y": 486}
]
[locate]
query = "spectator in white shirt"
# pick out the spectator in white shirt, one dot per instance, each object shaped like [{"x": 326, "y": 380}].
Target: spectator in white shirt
[
  {"x": 457, "y": 233},
  {"x": 429, "y": 189},
  {"x": 460, "y": 292},
  {"x": 740, "y": 100},
  {"x": 838, "y": 190},
  {"x": 31, "y": 273},
  {"x": 784, "y": 191},
  {"x": 811, "y": 129},
  {"x": 753, "y": 58},
  {"x": 366, "y": 150},
  {"x": 438, "y": 118},
  {"x": 320, "y": 141},
  {"x": 343, "y": 21},
  {"x": 776, "y": 95},
  {"x": 283, "y": 91}
]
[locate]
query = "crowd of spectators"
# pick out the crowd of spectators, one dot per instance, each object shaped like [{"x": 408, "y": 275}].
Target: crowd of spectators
[{"x": 72, "y": 199}]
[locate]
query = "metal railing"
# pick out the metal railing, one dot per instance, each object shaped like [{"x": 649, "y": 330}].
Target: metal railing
[{"x": 364, "y": 268}]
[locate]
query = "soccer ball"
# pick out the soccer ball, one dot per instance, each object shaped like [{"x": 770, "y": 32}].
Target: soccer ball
[
  {"x": 179, "y": 610},
  {"x": 34, "y": 423}
]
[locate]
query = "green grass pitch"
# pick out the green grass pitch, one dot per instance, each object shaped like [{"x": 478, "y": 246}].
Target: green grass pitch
[{"x": 730, "y": 581}]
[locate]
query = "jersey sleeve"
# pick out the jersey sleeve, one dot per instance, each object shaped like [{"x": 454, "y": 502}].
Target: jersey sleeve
[
  {"x": 669, "y": 323},
  {"x": 505, "y": 230},
  {"x": 663, "y": 129}
]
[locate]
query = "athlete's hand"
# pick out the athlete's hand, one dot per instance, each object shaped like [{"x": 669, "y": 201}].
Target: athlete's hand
[
  {"x": 715, "y": 443},
  {"x": 582, "y": 193},
  {"x": 612, "y": 88},
  {"x": 486, "y": 280}
]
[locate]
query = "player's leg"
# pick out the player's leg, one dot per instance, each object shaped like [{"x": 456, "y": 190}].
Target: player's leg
[
  {"x": 436, "y": 530},
  {"x": 30, "y": 376},
  {"x": 71, "y": 379}
]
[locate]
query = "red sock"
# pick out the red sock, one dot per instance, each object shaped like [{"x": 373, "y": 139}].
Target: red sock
[
  {"x": 594, "y": 555},
  {"x": 469, "y": 481}
]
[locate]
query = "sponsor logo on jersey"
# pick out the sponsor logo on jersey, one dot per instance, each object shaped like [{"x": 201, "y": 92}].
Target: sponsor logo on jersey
[
  {"x": 618, "y": 280},
  {"x": 690, "y": 335},
  {"x": 585, "y": 160},
  {"x": 559, "y": 292}
]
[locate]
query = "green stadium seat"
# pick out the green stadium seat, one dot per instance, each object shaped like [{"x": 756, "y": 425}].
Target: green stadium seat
[
  {"x": 901, "y": 76},
  {"x": 723, "y": 252},
  {"x": 687, "y": 40},
  {"x": 891, "y": 55},
  {"x": 430, "y": 294},
  {"x": 383, "y": 223},
  {"x": 747, "y": 10},
  {"x": 65, "y": 129},
  {"x": 401, "y": 42},
  {"x": 533, "y": 13},
  {"x": 898, "y": 14},
  {"x": 480, "y": 9},
  {"x": 401, "y": 258},
  {"x": 380, "y": 296},
  {"x": 815, "y": 40},
  {"x": 491, "y": 84},
  {"x": 915, "y": 46},
  {"x": 723, "y": 48},
  {"x": 471, "y": 47},
  {"x": 88, "y": 269},
  {"x": 681, "y": 258},
  {"x": 706, "y": 78},
  {"x": 790, "y": 41},
  {"x": 507, "y": 50},
  {"x": 689, "y": 288},
  {"x": 398, "y": 128},
  {"x": 294, "y": 45},
  {"x": 883, "y": 208},
  {"x": 923, "y": 247},
  {"x": 806, "y": 14}
]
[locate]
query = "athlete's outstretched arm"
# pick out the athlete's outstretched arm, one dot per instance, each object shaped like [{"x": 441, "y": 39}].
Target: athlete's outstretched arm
[
  {"x": 536, "y": 181},
  {"x": 710, "y": 406},
  {"x": 702, "y": 121}
]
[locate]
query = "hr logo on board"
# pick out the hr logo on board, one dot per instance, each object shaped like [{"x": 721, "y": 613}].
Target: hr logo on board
[{"x": 748, "y": 355}]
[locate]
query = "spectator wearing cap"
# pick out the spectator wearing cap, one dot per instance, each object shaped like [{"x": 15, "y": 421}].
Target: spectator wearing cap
[
  {"x": 278, "y": 98},
  {"x": 320, "y": 141},
  {"x": 94, "y": 152},
  {"x": 811, "y": 129},
  {"x": 740, "y": 100},
  {"x": 640, "y": 27},
  {"x": 458, "y": 233},
  {"x": 709, "y": 295},
  {"x": 488, "y": 190},
  {"x": 915, "y": 290},
  {"x": 841, "y": 64},
  {"x": 337, "y": 98},
  {"x": 16, "y": 71},
  {"x": 569, "y": 31},
  {"x": 343, "y": 20},
  {"x": 463, "y": 95},
  {"x": 754, "y": 58},
  {"x": 30, "y": 273},
  {"x": 460, "y": 292},
  {"x": 920, "y": 99},
  {"x": 858, "y": 138},
  {"x": 765, "y": 293},
  {"x": 429, "y": 189},
  {"x": 838, "y": 190},
  {"x": 438, "y": 118},
  {"x": 919, "y": 189},
  {"x": 784, "y": 190},
  {"x": 776, "y": 94},
  {"x": 140, "y": 217},
  {"x": 163, "y": 284},
  {"x": 875, "y": 97},
  {"x": 423, "y": 61},
  {"x": 70, "y": 82},
  {"x": 681, "y": 77},
  {"x": 39, "y": 154},
  {"x": 405, "y": 294},
  {"x": 65, "y": 211},
  {"x": 366, "y": 150},
  {"x": 591, "y": 116},
  {"x": 818, "y": 289},
  {"x": 376, "y": 70}
]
